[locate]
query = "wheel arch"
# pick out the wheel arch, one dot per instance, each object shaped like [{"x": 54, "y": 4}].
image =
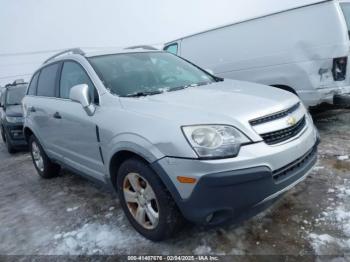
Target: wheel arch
[
  {"x": 27, "y": 133},
  {"x": 286, "y": 88},
  {"x": 121, "y": 156}
]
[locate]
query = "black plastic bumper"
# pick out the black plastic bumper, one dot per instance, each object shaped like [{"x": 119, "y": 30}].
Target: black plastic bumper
[
  {"x": 220, "y": 197},
  {"x": 15, "y": 134}
]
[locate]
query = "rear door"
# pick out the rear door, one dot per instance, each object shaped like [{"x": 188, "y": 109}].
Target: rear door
[
  {"x": 40, "y": 107},
  {"x": 77, "y": 134}
]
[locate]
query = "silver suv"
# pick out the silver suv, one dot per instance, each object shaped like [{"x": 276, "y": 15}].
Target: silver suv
[{"x": 173, "y": 140}]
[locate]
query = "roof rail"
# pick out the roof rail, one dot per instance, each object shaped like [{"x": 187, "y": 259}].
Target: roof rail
[
  {"x": 146, "y": 47},
  {"x": 77, "y": 51}
]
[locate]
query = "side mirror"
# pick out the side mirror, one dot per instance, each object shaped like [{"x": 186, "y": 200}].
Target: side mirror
[
  {"x": 80, "y": 94},
  {"x": 210, "y": 71}
]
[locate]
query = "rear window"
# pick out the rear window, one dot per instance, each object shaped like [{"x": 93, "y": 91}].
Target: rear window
[
  {"x": 15, "y": 95},
  {"x": 47, "y": 81},
  {"x": 346, "y": 11}
]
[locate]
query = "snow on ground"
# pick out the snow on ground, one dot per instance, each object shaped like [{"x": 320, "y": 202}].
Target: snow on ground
[
  {"x": 95, "y": 238},
  {"x": 343, "y": 157},
  {"x": 70, "y": 209},
  {"x": 336, "y": 214}
]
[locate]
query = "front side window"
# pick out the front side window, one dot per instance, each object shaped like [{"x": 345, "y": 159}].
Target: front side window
[
  {"x": 15, "y": 95},
  {"x": 133, "y": 74},
  {"x": 47, "y": 81},
  {"x": 73, "y": 74},
  {"x": 33, "y": 85},
  {"x": 171, "y": 48}
]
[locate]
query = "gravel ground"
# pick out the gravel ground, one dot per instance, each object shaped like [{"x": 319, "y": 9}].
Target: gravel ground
[{"x": 69, "y": 215}]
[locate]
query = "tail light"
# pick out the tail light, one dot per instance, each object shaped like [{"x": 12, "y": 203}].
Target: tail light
[{"x": 339, "y": 68}]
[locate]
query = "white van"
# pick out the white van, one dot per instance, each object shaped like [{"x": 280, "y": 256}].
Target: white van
[{"x": 303, "y": 50}]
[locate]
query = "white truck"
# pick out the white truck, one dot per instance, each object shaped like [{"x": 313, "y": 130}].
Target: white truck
[{"x": 303, "y": 50}]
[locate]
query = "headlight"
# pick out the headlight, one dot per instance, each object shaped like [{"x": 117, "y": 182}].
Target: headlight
[
  {"x": 215, "y": 141},
  {"x": 14, "y": 119}
]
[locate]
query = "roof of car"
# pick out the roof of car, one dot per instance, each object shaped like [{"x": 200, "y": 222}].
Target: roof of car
[
  {"x": 315, "y": 2},
  {"x": 15, "y": 86},
  {"x": 116, "y": 51},
  {"x": 91, "y": 52}
]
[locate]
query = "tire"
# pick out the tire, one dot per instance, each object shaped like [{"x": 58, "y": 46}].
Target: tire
[
  {"x": 3, "y": 134},
  {"x": 169, "y": 218},
  {"x": 7, "y": 141},
  {"x": 43, "y": 165},
  {"x": 342, "y": 100}
]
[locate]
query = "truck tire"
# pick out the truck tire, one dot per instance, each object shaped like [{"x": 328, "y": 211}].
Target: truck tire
[
  {"x": 342, "y": 100},
  {"x": 146, "y": 202}
]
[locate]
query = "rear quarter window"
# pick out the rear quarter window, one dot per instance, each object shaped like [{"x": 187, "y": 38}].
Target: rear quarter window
[
  {"x": 47, "y": 81},
  {"x": 171, "y": 48},
  {"x": 33, "y": 85}
]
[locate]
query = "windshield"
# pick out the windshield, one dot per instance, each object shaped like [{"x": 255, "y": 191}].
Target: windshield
[
  {"x": 15, "y": 95},
  {"x": 136, "y": 74},
  {"x": 346, "y": 11}
]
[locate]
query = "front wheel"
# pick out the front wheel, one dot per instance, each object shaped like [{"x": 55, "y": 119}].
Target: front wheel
[
  {"x": 43, "y": 165},
  {"x": 146, "y": 202}
]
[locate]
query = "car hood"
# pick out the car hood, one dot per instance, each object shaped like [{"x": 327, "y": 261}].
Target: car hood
[
  {"x": 14, "y": 111},
  {"x": 228, "y": 102}
]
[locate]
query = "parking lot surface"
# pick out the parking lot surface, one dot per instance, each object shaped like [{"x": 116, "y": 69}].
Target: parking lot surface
[{"x": 69, "y": 215}]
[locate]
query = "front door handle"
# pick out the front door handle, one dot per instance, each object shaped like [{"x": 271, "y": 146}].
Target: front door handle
[
  {"x": 32, "y": 109},
  {"x": 57, "y": 116}
]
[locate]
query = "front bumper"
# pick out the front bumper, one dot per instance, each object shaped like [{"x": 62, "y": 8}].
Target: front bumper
[
  {"x": 323, "y": 95},
  {"x": 15, "y": 134},
  {"x": 227, "y": 188}
]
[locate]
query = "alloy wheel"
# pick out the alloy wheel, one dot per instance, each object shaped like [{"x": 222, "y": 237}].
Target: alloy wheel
[
  {"x": 141, "y": 200},
  {"x": 38, "y": 158}
]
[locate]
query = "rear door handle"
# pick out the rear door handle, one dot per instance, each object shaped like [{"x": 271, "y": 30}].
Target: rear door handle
[
  {"x": 57, "y": 115},
  {"x": 32, "y": 109}
]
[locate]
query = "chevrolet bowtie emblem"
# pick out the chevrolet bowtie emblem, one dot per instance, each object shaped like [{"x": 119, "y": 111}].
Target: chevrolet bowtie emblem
[{"x": 291, "y": 121}]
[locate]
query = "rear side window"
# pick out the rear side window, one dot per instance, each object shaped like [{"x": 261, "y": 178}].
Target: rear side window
[
  {"x": 33, "y": 85},
  {"x": 73, "y": 74},
  {"x": 47, "y": 81},
  {"x": 171, "y": 48}
]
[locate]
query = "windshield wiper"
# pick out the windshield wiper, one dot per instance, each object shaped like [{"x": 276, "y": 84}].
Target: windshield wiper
[
  {"x": 191, "y": 85},
  {"x": 144, "y": 93}
]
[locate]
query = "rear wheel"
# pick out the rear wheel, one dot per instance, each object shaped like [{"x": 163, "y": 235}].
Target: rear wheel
[
  {"x": 43, "y": 165},
  {"x": 146, "y": 202}
]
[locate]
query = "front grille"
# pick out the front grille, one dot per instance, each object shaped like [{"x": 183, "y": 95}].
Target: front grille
[
  {"x": 275, "y": 116},
  {"x": 284, "y": 134},
  {"x": 284, "y": 172}
]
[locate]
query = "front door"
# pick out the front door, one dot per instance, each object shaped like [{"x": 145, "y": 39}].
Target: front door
[{"x": 76, "y": 131}]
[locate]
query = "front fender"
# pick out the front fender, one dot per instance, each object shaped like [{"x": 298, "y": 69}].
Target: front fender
[
  {"x": 135, "y": 144},
  {"x": 28, "y": 124}
]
